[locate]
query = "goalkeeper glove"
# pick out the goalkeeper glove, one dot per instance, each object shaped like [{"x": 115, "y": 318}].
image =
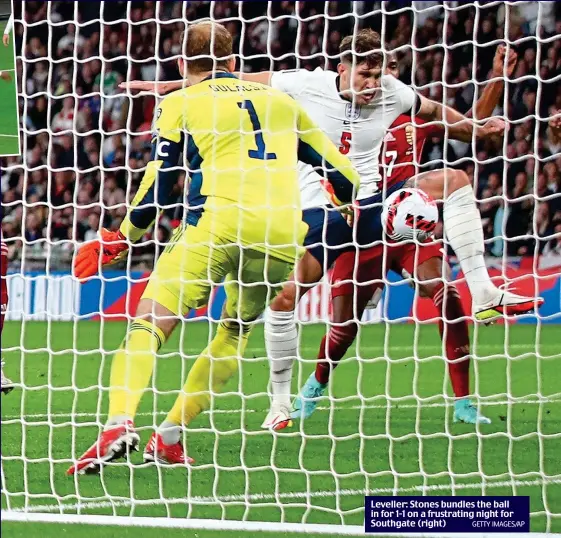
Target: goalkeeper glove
[
  {"x": 111, "y": 249},
  {"x": 349, "y": 212}
]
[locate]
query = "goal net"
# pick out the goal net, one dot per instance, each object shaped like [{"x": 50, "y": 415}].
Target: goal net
[{"x": 385, "y": 425}]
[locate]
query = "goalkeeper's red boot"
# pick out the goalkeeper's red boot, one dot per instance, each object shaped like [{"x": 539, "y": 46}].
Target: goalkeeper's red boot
[
  {"x": 114, "y": 443},
  {"x": 156, "y": 450}
]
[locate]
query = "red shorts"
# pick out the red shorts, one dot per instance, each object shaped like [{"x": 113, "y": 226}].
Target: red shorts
[{"x": 367, "y": 272}]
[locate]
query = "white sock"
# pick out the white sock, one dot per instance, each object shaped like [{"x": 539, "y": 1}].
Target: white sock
[
  {"x": 117, "y": 421},
  {"x": 464, "y": 231},
  {"x": 281, "y": 343},
  {"x": 170, "y": 432}
]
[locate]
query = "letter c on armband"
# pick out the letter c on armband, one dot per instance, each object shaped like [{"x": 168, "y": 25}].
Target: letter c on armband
[{"x": 160, "y": 150}]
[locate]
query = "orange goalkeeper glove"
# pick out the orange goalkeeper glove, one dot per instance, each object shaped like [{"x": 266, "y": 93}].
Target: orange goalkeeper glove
[
  {"x": 111, "y": 249},
  {"x": 348, "y": 211}
]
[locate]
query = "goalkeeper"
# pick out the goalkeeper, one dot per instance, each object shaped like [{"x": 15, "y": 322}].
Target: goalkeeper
[{"x": 242, "y": 141}]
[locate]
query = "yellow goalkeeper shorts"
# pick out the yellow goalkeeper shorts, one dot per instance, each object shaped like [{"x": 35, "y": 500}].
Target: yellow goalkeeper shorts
[{"x": 196, "y": 260}]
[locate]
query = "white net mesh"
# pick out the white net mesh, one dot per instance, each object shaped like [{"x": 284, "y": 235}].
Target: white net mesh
[{"x": 385, "y": 425}]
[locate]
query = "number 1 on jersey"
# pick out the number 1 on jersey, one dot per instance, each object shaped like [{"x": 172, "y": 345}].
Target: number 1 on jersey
[{"x": 260, "y": 153}]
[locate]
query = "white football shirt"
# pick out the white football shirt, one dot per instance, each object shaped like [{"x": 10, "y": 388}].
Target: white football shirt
[
  {"x": 358, "y": 131},
  {"x": 9, "y": 25}
]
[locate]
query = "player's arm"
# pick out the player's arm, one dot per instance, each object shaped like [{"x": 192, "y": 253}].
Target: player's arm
[
  {"x": 7, "y": 30},
  {"x": 159, "y": 88},
  {"x": 493, "y": 91},
  {"x": 162, "y": 171},
  {"x": 459, "y": 126},
  {"x": 162, "y": 88},
  {"x": 262, "y": 78},
  {"x": 155, "y": 191},
  {"x": 315, "y": 148}
]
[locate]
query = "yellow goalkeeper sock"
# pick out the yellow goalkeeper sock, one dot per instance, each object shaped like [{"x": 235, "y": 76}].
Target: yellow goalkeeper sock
[
  {"x": 208, "y": 374},
  {"x": 132, "y": 368}
]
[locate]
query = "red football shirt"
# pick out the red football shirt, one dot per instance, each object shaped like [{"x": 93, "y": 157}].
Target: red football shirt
[{"x": 403, "y": 147}]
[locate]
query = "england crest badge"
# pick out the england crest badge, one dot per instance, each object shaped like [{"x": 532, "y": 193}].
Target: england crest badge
[{"x": 352, "y": 111}]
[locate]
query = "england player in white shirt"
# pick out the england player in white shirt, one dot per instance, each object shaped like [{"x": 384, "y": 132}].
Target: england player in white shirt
[{"x": 355, "y": 107}]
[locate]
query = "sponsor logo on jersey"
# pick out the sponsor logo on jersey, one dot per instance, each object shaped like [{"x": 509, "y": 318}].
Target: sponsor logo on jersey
[{"x": 352, "y": 112}]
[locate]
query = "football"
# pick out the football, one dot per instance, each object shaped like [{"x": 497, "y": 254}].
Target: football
[{"x": 409, "y": 214}]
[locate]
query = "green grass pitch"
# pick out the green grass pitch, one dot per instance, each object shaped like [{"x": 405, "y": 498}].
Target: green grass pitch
[
  {"x": 384, "y": 442},
  {"x": 9, "y": 139},
  {"x": 26, "y": 530}
]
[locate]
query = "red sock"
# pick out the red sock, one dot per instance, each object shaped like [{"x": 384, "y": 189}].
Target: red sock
[
  {"x": 3, "y": 285},
  {"x": 454, "y": 332},
  {"x": 333, "y": 348}
]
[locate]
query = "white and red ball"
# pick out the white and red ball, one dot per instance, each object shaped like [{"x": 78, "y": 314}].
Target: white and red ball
[{"x": 409, "y": 214}]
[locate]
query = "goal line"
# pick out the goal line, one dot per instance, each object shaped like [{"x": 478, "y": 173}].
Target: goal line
[
  {"x": 230, "y": 525},
  {"x": 290, "y": 496},
  {"x": 494, "y": 400}
]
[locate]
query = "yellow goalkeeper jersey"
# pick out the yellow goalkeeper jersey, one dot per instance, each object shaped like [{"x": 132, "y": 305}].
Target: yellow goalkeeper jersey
[{"x": 241, "y": 142}]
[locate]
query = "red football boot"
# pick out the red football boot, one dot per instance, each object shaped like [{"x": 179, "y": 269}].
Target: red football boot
[
  {"x": 157, "y": 450},
  {"x": 506, "y": 303},
  {"x": 113, "y": 443}
]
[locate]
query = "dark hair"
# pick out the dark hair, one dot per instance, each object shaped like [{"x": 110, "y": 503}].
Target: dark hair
[
  {"x": 198, "y": 42},
  {"x": 363, "y": 47}
]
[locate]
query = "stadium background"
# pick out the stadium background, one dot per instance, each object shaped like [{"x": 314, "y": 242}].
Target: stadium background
[
  {"x": 85, "y": 145},
  {"x": 75, "y": 180}
]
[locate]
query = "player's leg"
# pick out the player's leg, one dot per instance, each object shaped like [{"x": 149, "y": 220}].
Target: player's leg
[
  {"x": 327, "y": 231},
  {"x": 133, "y": 364},
  {"x": 7, "y": 384},
  {"x": 245, "y": 302},
  {"x": 464, "y": 231},
  {"x": 353, "y": 284},
  {"x": 430, "y": 273},
  {"x": 281, "y": 337},
  {"x": 131, "y": 370},
  {"x": 181, "y": 280},
  {"x": 216, "y": 364}
]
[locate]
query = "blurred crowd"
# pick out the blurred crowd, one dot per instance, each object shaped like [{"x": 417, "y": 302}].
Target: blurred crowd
[{"x": 86, "y": 142}]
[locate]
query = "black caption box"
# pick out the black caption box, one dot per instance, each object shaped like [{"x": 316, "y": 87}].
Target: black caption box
[{"x": 450, "y": 514}]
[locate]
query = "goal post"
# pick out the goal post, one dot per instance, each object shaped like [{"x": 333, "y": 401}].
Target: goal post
[{"x": 386, "y": 424}]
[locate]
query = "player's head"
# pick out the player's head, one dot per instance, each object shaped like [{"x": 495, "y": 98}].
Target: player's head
[
  {"x": 207, "y": 48},
  {"x": 392, "y": 65},
  {"x": 360, "y": 69}
]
